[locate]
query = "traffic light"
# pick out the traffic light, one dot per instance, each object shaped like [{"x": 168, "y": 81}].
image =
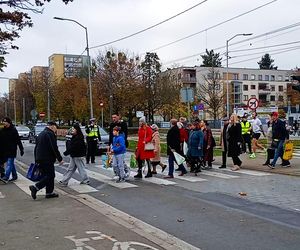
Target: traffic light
[{"x": 296, "y": 86}]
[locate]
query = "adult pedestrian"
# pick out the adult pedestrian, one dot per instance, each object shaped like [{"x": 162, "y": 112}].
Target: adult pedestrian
[
  {"x": 234, "y": 140},
  {"x": 76, "y": 150},
  {"x": 223, "y": 142},
  {"x": 279, "y": 135},
  {"x": 11, "y": 141},
  {"x": 2, "y": 158},
  {"x": 195, "y": 147},
  {"x": 92, "y": 139},
  {"x": 45, "y": 154},
  {"x": 142, "y": 155},
  {"x": 184, "y": 136},
  {"x": 173, "y": 145},
  {"x": 257, "y": 130},
  {"x": 246, "y": 134},
  {"x": 270, "y": 149},
  {"x": 208, "y": 144},
  {"x": 117, "y": 122},
  {"x": 156, "y": 160}
]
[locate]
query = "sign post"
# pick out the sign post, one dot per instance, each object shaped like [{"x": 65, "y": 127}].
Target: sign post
[{"x": 187, "y": 96}]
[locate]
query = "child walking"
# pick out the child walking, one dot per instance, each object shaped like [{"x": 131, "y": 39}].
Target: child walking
[{"x": 118, "y": 150}]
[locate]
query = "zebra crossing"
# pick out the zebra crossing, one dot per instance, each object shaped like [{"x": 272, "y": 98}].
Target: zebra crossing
[{"x": 100, "y": 174}]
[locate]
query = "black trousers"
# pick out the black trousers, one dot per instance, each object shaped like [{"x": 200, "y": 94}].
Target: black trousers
[
  {"x": 141, "y": 162},
  {"x": 224, "y": 158},
  {"x": 91, "y": 150},
  {"x": 47, "y": 181},
  {"x": 236, "y": 160},
  {"x": 247, "y": 140}
]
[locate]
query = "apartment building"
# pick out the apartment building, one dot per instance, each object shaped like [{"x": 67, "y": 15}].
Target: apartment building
[{"x": 66, "y": 65}]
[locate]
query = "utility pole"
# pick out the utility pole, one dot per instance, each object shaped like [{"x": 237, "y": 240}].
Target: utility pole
[{"x": 24, "y": 118}]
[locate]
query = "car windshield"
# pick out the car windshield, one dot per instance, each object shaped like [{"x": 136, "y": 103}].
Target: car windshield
[{"x": 26, "y": 129}]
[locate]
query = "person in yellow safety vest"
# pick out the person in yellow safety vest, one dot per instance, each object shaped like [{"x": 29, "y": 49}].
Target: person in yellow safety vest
[
  {"x": 246, "y": 134},
  {"x": 92, "y": 138}
]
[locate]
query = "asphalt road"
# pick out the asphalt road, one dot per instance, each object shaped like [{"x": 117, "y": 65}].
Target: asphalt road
[{"x": 206, "y": 211}]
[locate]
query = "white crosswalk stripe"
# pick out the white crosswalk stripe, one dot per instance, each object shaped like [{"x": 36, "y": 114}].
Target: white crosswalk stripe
[
  {"x": 219, "y": 175},
  {"x": 154, "y": 180},
  {"x": 23, "y": 183},
  {"x": 244, "y": 171},
  {"x": 1, "y": 196}
]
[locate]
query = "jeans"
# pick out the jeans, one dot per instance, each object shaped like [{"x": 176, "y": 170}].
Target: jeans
[
  {"x": 118, "y": 165},
  {"x": 75, "y": 163},
  {"x": 278, "y": 152},
  {"x": 48, "y": 173},
  {"x": 171, "y": 161},
  {"x": 11, "y": 169}
]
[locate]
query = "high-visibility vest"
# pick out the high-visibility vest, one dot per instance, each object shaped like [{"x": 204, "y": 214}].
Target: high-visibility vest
[
  {"x": 245, "y": 127},
  {"x": 93, "y": 132}
]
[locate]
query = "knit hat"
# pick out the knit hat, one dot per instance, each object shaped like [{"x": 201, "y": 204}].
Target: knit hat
[
  {"x": 275, "y": 114},
  {"x": 116, "y": 128},
  {"x": 154, "y": 127},
  {"x": 179, "y": 125},
  {"x": 142, "y": 119}
]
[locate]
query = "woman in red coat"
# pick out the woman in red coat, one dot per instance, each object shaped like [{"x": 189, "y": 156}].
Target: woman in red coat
[{"x": 144, "y": 136}]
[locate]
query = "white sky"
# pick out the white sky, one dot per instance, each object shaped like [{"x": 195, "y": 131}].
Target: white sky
[{"x": 107, "y": 20}]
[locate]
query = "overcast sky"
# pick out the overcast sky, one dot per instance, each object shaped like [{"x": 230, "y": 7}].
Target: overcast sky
[{"x": 108, "y": 20}]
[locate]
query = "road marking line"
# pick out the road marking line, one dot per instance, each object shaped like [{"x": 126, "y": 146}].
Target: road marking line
[
  {"x": 2, "y": 196},
  {"x": 75, "y": 185},
  {"x": 244, "y": 171},
  {"x": 155, "y": 180},
  {"x": 219, "y": 175},
  {"x": 187, "y": 177},
  {"x": 23, "y": 183},
  {"x": 108, "y": 180},
  {"x": 157, "y": 236}
]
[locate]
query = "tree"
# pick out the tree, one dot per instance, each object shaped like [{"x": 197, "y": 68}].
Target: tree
[
  {"x": 266, "y": 62},
  {"x": 211, "y": 93},
  {"x": 14, "y": 21},
  {"x": 211, "y": 59}
]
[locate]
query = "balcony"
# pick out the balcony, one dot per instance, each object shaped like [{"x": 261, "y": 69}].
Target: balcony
[
  {"x": 265, "y": 91},
  {"x": 189, "y": 79}
]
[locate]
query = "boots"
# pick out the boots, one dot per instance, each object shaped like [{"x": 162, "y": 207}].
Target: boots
[
  {"x": 149, "y": 173},
  {"x": 139, "y": 174}
]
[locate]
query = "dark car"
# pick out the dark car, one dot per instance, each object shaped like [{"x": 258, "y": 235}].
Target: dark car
[
  {"x": 37, "y": 129},
  {"x": 102, "y": 145},
  {"x": 23, "y": 131}
]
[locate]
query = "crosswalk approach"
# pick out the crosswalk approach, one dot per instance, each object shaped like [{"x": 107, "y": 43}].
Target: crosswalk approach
[{"x": 100, "y": 175}]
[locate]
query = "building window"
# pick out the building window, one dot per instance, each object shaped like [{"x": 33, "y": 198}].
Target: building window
[
  {"x": 287, "y": 78},
  {"x": 252, "y": 77},
  {"x": 252, "y": 86},
  {"x": 253, "y": 96},
  {"x": 266, "y": 77},
  {"x": 280, "y": 98},
  {"x": 245, "y": 76},
  {"x": 280, "y": 78},
  {"x": 280, "y": 88},
  {"x": 260, "y": 77},
  {"x": 246, "y": 97},
  {"x": 272, "y": 87},
  {"x": 272, "y": 98},
  {"x": 235, "y": 76},
  {"x": 245, "y": 87},
  {"x": 272, "y": 78}
]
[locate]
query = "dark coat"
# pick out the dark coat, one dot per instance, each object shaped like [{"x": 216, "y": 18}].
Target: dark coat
[
  {"x": 124, "y": 130},
  {"x": 76, "y": 147},
  {"x": 173, "y": 140},
  {"x": 46, "y": 150},
  {"x": 208, "y": 141},
  {"x": 234, "y": 139},
  {"x": 2, "y": 156},
  {"x": 195, "y": 143},
  {"x": 279, "y": 130},
  {"x": 10, "y": 140}
]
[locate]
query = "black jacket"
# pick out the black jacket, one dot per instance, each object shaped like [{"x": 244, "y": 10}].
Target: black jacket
[
  {"x": 124, "y": 130},
  {"x": 234, "y": 139},
  {"x": 46, "y": 150},
  {"x": 173, "y": 140},
  {"x": 10, "y": 140},
  {"x": 76, "y": 147},
  {"x": 279, "y": 130}
]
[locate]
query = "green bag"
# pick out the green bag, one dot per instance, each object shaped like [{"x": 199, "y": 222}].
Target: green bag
[{"x": 133, "y": 162}]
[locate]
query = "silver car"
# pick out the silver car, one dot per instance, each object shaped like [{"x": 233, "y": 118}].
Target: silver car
[{"x": 24, "y": 132}]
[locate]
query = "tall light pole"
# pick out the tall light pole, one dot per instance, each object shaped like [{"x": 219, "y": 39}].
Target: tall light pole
[
  {"x": 227, "y": 79},
  {"x": 101, "y": 105},
  {"x": 89, "y": 61}
]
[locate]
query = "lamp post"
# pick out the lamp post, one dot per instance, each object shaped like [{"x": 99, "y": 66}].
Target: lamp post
[
  {"x": 101, "y": 105},
  {"x": 227, "y": 80},
  {"x": 89, "y": 61}
]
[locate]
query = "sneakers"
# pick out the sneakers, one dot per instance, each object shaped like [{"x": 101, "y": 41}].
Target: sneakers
[
  {"x": 13, "y": 179},
  {"x": 52, "y": 195},
  {"x": 163, "y": 168},
  {"x": 285, "y": 165},
  {"x": 33, "y": 191},
  {"x": 252, "y": 156},
  {"x": 85, "y": 182},
  {"x": 63, "y": 184},
  {"x": 120, "y": 180},
  {"x": 271, "y": 166},
  {"x": 4, "y": 180}
]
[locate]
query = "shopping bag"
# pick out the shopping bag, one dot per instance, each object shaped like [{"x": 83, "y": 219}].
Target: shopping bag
[
  {"x": 185, "y": 148},
  {"x": 149, "y": 146},
  {"x": 34, "y": 173},
  {"x": 288, "y": 151},
  {"x": 178, "y": 158},
  {"x": 133, "y": 163}
]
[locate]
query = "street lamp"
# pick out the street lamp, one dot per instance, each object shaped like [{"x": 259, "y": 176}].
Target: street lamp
[
  {"x": 227, "y": 80},
  {"x": 101, "y": 105},
  {"x": 89, "y": 61}
]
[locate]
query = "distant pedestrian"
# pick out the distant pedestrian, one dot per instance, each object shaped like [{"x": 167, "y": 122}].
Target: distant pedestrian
[
  {"x": 117, "y": 122},
  {"x": 156, "y": 160},
  {"x": 246, "y": 134},
  {"x": 234, "y": 140},
  {"x": 77, "y": 151},
  {"x": 184, "y": 136},
  {"x": 257, "y": 130},
  {"x": 208, "y": 144},
  {"x": 270, "y": 149},
  {"x": 45, "y": 154},
  {"x": 173, "y": 145},
  {"x": 92, "y": 139},
  {"x": 223, "y": 142},
  {"x": 142, "y": 155},
  {"x": 10, "y": 142},
  {"x": 2, "y": 157}
]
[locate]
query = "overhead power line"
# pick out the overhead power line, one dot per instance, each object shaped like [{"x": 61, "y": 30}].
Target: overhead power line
[
  {"x": 151, "y": 27},
  {"x": 213, "y": 26}
]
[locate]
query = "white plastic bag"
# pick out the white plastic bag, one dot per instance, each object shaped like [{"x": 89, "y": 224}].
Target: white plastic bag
[
  {"x": 185, "y": 148},
  {"x": 178, "y": 158}
]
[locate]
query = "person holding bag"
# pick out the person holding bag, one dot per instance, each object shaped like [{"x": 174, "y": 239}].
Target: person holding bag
[{"x": 142, "y": 155}]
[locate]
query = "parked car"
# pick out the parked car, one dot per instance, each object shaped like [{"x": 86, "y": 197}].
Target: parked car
[
  {"x": 24, "y": 132},
  {"x": 37, "y": 129},
  {"x": 102, "y": 145}
]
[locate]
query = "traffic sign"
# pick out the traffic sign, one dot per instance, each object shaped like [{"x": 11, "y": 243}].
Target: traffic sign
[
  {"x": 201, "y": 106},
  {"x": 253, "y": 103},
  {"x": 42, "y": 114}
]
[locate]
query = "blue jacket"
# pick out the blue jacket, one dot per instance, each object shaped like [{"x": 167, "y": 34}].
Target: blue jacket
[
  {"x": 118, "y": 145},
  {"x": 195, "y": 143}
]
